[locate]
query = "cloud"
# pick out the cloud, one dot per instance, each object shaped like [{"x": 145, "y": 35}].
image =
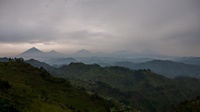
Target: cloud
[{"x": 104, "y": 25}]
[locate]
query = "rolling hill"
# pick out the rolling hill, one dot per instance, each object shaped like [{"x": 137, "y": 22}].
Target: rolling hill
[
  {"x": 26, "y": 88},
  {"x": 140, "y": 89}
]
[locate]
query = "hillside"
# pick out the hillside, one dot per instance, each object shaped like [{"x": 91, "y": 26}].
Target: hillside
[
  {"x": 189, "y": 106},
  {"x": 141, "y": 89},
  {"x": 26, "y": 88}
]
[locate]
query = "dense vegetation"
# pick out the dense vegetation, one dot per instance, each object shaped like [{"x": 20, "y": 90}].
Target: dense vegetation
[
  {"x": 140, "y": 89},
  {"x": 189, "y": 106},
  {"x": 25, "y": 88},
  {"x": 90, "y": 88}
]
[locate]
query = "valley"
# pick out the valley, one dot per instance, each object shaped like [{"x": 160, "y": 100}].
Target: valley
[
  {"x": 111, "y": 84},
  {"x": 137, "y": 90}
]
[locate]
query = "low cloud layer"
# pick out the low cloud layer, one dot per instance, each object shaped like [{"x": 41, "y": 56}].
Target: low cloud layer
[{"x": 169, "y": 27}]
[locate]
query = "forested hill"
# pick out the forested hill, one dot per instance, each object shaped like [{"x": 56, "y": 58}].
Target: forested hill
[
  {"x": 26, "y": 88},
  {"x": 112, "y": 88},
  {"x": 140, "y": 89},
  {"x": 189, "y": 106}
]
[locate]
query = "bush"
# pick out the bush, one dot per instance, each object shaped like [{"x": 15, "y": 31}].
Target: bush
[
  {"x": 7, "y": 106},
  {"x": 4, "y": 85}
]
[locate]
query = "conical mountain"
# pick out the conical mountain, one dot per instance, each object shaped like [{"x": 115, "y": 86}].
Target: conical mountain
[
  {"x": 54, "y": 54},
  {"x": 34, "y": 53},
  {"x": 83, "y": 53},
  {"x": 32, "y": 50}
]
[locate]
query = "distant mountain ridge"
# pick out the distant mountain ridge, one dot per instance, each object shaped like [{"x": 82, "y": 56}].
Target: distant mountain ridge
[
  {"x": 166, "y": 68},
  {"x": 82, "y": 53},
  {"x": 189, "y": 60},
  {"x": 34, "y": 53}
]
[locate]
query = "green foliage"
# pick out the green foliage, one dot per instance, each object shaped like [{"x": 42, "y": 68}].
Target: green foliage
[
  {"x": 34, "y": 90},
  {"x": 141, "y": 89},
  {"x": 7, "y": 106},
  {"x": 189, "y": 106},
  {"x": 4, "y": 85}
]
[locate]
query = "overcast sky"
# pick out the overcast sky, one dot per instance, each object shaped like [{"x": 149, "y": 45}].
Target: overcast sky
[{"x": 169, "y": 27}]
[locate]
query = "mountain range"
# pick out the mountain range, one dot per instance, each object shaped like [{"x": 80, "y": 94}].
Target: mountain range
[
  {"x": 57, "y": 82},
  {"x": 34, "y": 53},
  {"x": 189, "y": 60},
  {"x": 122, "y": 54},
  {"x": 181, "y": 66},
  {"x": 128, "y": 55},
  {"x": 166, "y": 68},
  {"x": 112, "y": 88},
  {"x": 143, "y": 90}
]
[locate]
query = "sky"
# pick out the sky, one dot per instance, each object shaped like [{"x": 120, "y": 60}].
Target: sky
[{"x": 170, "y": 27}]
